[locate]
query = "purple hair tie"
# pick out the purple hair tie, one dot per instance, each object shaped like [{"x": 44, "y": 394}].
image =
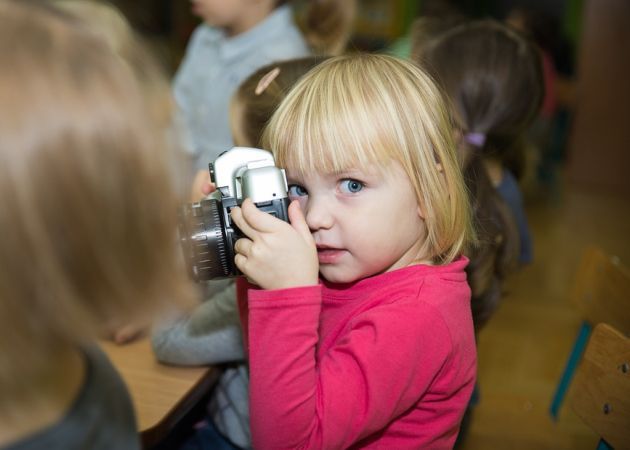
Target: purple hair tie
[{"x": 476, "y": 139}]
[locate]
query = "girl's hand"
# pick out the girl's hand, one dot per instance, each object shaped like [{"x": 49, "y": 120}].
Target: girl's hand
[{"x": 275, "y": 254}]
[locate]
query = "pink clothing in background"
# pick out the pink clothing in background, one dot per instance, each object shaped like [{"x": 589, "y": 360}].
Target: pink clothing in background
[
  {"x": 550, "y": 100},
  {"x": 387, "y": 362}
]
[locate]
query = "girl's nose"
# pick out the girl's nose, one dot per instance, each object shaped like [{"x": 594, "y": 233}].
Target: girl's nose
[{"x": 318, "y": 214}]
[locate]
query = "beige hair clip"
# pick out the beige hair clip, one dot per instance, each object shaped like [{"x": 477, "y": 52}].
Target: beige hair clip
[{"x": 266, "y": 80}]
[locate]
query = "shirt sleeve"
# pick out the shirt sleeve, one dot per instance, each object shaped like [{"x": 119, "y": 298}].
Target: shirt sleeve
[
  {"x": 378, "y": 368},
  {"x": 210, "y": 335}
]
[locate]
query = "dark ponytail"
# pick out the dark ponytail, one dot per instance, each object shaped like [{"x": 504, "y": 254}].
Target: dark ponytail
[{"x": 496, "y": 254}]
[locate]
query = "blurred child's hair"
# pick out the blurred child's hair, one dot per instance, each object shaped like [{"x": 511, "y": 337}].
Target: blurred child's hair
[
  {"x": 106, "y": 21},
  {"x": 542, "y": 27},
  {"x": 88, "y": 217},
  {"x": 361, "y": 110},
  {"x": 496, "y": 252},
  {"x": 482, "y": 100},
  {"x": 493, "y": 76},
  {"x": 259, "y": 95},
  {"x": 326, "y": 24}
]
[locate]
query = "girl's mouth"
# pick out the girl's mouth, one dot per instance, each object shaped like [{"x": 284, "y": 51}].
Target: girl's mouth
[{"x": 329, "y": 255}]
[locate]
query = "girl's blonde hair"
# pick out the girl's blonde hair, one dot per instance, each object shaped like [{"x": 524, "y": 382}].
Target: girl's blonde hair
[
  {"x": 357, "y": 110},
  {"x": 88, "y": 217}
]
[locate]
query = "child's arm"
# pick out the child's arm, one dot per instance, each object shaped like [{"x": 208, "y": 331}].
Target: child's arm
[{"x": 210, "y": 335}]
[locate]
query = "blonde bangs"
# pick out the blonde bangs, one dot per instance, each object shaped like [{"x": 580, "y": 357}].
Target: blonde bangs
[{"x": 332, "y": 120}]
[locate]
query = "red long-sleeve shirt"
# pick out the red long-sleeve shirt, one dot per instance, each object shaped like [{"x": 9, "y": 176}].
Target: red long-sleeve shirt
[{"x": 388, "y": 362}]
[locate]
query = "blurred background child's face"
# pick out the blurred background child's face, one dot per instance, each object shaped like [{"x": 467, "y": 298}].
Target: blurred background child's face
[{"x": 353, "y": 217}]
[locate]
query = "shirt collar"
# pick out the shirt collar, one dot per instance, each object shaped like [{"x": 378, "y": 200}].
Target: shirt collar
[{"x": 279, "y": 20}]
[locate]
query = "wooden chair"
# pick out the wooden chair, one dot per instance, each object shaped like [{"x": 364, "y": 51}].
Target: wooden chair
[
  {"x": 600, "y": 391},
  {"x": 601, "y": 292}
]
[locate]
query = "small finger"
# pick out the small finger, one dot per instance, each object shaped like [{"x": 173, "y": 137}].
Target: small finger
[
  {"x": 259, "y": 220},
  {"x": 240, "y": 262},
  {"x": 243, "y": 246},
  {"x": 296, "y": 216},
  {"x": 241, "y": 222}
]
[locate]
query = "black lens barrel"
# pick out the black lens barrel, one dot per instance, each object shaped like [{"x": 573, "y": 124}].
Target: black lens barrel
[{"x": 203, "y": 239}]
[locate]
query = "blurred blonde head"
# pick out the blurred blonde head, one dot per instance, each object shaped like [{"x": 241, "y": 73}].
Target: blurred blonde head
[
  {"x": 105, "y": 20},
  {"x": 359, "y": 110},
  {"x": 88, "y": 216},
  {"x": 109, "y": 24}
]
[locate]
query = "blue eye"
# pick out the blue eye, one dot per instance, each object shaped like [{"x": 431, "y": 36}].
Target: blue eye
[
  {"x": 295, "y": 190},
  {"x": 350, "y": 186}
]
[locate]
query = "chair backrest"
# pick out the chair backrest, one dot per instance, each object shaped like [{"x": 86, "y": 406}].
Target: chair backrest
[
  {"x": 600, "y": 391},
  {"x": 601, "y": 290}
]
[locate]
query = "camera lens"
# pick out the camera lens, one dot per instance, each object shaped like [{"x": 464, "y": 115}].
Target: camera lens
[{"x": 204, "y": 241}]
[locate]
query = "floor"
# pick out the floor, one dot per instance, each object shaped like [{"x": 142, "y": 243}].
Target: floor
[{"x": 523, "y": 349}]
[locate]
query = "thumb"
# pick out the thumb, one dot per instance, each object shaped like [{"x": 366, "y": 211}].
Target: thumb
[{"x": 298, "y": 221}]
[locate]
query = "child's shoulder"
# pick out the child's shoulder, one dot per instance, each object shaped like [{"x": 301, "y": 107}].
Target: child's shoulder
[
  {"x": 433, "y": 276},
  {"x": 289, "y": 44},
  {"x": 203, "y": 33},
  {"x": 421, "y": 303},
  {"x": 440, "y": 292},
  {"x": 418, "y": 287}
]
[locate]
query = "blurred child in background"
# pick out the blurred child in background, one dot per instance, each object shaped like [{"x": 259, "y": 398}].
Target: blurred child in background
[
  {"x": 212, "y": 333},
  {"x": 236, "y": 38},
  {"x": 493, "y": 77},
  {"x": 379, "y": 352},
  {"x": 550, "y": 129},
  {"x": 497, "y": 251},
  {"x": 81, "y": 158},
  {"x": 111, "y": 25}
]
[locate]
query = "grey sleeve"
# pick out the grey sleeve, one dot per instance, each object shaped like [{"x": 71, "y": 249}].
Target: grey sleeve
[{"x": 210, "y": 335}]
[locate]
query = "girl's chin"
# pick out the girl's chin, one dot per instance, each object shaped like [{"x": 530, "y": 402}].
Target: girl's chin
[{"x": 334, "y": 275}]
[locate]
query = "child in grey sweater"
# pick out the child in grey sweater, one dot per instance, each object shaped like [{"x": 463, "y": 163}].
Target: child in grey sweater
[{"x": 212, "y": 335}]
